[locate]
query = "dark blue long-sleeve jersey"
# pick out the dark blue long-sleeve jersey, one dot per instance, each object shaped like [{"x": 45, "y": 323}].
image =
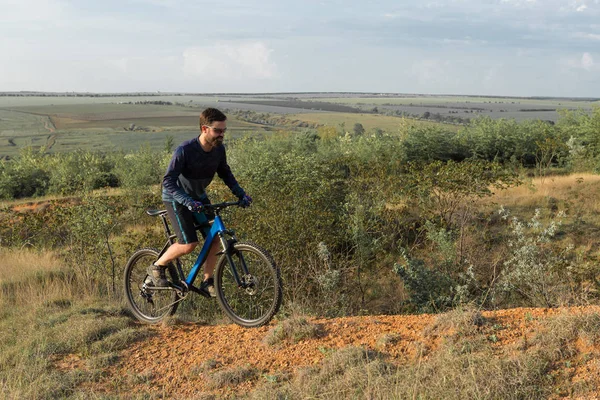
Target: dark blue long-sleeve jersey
[{"x": 192, "y": 169}]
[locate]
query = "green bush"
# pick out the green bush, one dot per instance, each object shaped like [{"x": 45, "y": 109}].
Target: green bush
[
  {"x": 430, "y": 290},
  {"x": 142, "y": 168},
  {"x": 427, "y": 143},
  {"x": 538, "y": 271},
  {"x": 26, "y": 176},
  {"x": 80, "y": 171}
]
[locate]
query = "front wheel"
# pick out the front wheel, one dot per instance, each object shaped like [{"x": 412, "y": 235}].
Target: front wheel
[
  {"x": 257, "y": 299},
  {"x": 147, "y": 303}
]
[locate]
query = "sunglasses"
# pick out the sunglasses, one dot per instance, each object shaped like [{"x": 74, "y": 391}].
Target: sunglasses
[{"x": 218, "y": 131}]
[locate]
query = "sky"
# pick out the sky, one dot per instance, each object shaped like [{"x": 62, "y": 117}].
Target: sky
[{"x": 471, "y": 47}]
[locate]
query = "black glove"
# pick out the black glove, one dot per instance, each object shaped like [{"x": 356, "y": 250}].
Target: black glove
[
  {"x": 196, "y": 206},
  {"x": 245, "y": 201}
]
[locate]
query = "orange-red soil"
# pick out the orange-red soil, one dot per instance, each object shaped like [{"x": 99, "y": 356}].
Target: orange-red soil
[{"x": 174, "y": 361}]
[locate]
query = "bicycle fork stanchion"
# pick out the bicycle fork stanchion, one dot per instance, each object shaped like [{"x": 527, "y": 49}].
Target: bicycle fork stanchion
[
  {"x": 227, "y": 250},
  {"x": 247, "y": 280}
]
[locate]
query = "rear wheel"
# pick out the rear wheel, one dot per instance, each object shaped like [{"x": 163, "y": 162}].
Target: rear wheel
[
  {"x": 148, "y": 303},
  {"x": 257, "y": 300}
]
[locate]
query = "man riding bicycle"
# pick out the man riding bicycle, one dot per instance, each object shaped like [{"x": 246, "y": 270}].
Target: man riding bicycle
[{"x": 192, "y": 168}]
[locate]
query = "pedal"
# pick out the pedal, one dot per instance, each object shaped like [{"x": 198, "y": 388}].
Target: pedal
[{"x": 201, "y": 291}]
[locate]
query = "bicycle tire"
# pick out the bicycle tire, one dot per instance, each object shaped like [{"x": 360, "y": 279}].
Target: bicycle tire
[
  {"x": 256, "y": 305},
  {"x": 147, "y": 305}
]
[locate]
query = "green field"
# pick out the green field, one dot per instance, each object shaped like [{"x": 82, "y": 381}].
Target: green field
[
  {"x": 450, "y": 100},
  {"x": 66, "y": 123},
  {"x": 24, "y": 101},
  {"x": 519, "y": 109},
  {"x": 102, "y": 126},
  {"x": 368, "y": 121}
]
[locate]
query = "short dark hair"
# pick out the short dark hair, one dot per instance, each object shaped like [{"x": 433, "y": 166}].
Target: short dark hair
[{"x": 211, "y": 115}]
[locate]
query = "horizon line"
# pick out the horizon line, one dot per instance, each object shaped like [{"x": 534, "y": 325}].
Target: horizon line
[{"x": 374, "y": 93}]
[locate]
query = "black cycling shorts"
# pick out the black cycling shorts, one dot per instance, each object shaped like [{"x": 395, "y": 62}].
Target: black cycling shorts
[{"x": 185, "y": 223}]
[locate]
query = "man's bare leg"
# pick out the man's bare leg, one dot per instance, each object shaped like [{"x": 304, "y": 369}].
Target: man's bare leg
[
  {"x": 177, "y": 250},
  {"x": 211, "y": 259},
  {"x": 174, "y": 251}
]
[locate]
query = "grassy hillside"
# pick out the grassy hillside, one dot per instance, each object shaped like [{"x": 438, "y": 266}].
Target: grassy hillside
[{"x": 422, "y": 220}]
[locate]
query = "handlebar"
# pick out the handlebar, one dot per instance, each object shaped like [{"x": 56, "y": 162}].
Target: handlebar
[
  {"x": 219, "y": 206},
  {"x": 225, "y": 204}
]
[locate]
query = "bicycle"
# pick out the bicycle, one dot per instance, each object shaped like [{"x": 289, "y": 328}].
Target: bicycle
[{"x": 247, "y": 281}]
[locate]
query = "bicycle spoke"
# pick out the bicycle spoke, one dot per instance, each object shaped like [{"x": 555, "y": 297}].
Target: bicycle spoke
[
  {"x": 258, "y": 298},
  {"x": 147, "y": 303}
]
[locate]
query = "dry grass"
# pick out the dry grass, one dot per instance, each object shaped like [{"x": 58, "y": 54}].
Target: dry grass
[
  {"x": 21, "y": 264},
  {"x": 387, "y": 340},
  {"x": 232, "y": 377},
  {"x": 568, "y": 331},
  {"x": 30, "y": 277},
  {"x": 49, "y": 349},
  {"x": 584, "y": 186},
  {"x": 349, "y": 373},
  {"x": 461, "y": 322},
  {"x": 464, "y": 367},
  {"x": 292, "y": 330}
]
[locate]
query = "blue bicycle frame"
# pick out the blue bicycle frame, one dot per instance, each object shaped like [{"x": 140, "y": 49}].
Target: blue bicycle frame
[{"x": 217, "y": 230}]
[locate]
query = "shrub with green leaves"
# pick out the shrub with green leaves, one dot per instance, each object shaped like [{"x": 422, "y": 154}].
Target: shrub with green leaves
[
  {"x": 441, "y": 189},
  {"x": 431, "y": 143},
  {"x": 80, "y": 171},
  {"x": 537, "y": 271},
  {"x": 26, "y": 176},
  {"x": 142, "y": 168},
  {"x": 429, "y": 289},
  {"x": 581, "y": 129}
]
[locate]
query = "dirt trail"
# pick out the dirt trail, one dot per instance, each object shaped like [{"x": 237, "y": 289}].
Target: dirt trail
[
  {"x": 49, "y": 126},
  {"x": 175, "y": 359}
]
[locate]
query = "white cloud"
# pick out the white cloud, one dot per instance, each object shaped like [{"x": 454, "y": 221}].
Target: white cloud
[
  {"x": 119, "y": 64},
  {"x": 587, "y": 61},
  {"x": 579, "y": 5},
  {"x": 160, "y": 3},
  {"x": 431, "y": 71},
  {"x": 23, "y": 11},
  {"x": 519, "y": 3},
  {"x": 588, "y": 36},
  {"x": 567, "y": 6},
  {"x": 231, "y": 61},
  {"x": 491, "y": 75},
  {"x": 433, "y": 5}
]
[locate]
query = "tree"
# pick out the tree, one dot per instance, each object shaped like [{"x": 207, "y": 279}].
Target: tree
[
  {"x": 546, "y": 153},
  {"x": 442, "y": 189},
  {"x": 327, "y": 132},
  {"x": 359, "y": 130}
]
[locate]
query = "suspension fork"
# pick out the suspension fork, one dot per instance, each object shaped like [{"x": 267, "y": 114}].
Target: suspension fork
[{"x": 228, "y": 251}]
